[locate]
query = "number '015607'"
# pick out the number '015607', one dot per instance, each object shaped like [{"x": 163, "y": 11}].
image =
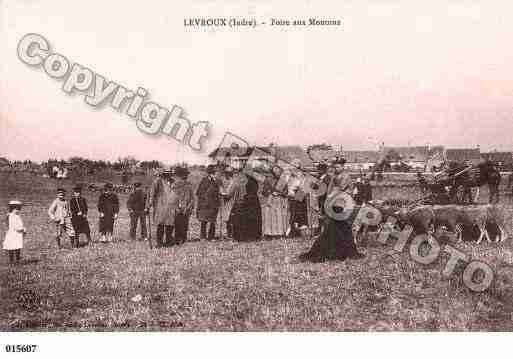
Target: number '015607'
[{"x": 19, "y": 348}]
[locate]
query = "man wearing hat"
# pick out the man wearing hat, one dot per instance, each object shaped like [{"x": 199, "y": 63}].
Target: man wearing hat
[
  {"x": 341, "y": 181},
  {"x": 136, "y": 204},
  {"x": 227, "y": 202},
  {"x": 163, "y": 200},
  {"x": 78, "y": 209},
  {"x": 59, "y": 213},
  {"x": 185, "y": 193},
  {"x": 298, "y": 208},
  {"x": 108, "y": 208},
  {"x": 209, "y": 196}
]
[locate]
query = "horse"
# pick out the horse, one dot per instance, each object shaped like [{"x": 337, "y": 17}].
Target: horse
[{"x": 463, "y": 178}]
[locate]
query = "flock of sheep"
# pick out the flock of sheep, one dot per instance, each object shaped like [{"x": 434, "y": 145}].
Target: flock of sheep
[{"x": 429, "y": 219}]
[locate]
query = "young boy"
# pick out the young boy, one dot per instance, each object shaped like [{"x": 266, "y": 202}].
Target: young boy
[
  {"x": 59, "y": 214},
  {"x": 78, "y": 209},
  {"x": 108, "y": 207},
  {"x": 136, "y": 203}
]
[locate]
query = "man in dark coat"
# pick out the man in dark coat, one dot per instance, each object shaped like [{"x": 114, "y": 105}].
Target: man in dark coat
[
  {"x": 209, "y": 198},
  {"x": 78, "y": 209},
  {"x": 136, "y": 204},
  {"x": 108, "y": 208},
  {"x": 367, "y": 190}
]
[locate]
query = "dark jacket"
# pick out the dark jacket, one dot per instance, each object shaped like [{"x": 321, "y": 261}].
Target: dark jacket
[
  {"x": 108, "y": 204},
  {"x": 77, "y": 205},
  {"x": 136, "y": 201},
  {"x": 209, "y": 199}
]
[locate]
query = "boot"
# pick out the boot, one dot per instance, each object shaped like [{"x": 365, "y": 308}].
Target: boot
[{"x": 58, "y": 239}]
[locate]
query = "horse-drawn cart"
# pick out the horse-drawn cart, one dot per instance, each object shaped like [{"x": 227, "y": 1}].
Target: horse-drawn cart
[{"x": 455, "y": 184}]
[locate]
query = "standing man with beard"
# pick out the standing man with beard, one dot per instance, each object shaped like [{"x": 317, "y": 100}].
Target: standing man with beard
[
  {"x": 298, "y": 208},
  {"x": 136, "y": 204},
  {"x": 164, "y": 201},
  {"x": 185, "y": 193},
  {"x": 209, "y": 196}
]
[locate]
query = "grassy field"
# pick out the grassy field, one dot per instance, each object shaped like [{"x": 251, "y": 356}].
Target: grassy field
[{"x": 234, "y": 286}]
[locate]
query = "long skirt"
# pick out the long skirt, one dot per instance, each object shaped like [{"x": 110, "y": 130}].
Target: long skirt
[
  {"x": 106, "y": 224},
  {"x": 246, "y": 219},
  {"x": 298, "y": 212},
  {"x": 80, "y": 225},
  {"x": 335, "y": 243},
  {"x": 275, "y": 216}
]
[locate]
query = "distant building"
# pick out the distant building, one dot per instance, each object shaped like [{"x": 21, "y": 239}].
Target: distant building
[
  {"x": 503, "y": 159},
  {"x": 260, "y": 156},
  {"x": 462, "y": 155},
  {"x": 416, "y": 157},
  {"x": 318, "y": 155},
  {"x": 361, "y": 160}
]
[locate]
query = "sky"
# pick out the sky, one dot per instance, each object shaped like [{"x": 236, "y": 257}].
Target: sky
[{"x": 398, "y": 72}]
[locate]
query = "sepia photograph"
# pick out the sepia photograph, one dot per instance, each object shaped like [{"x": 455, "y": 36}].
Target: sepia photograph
[{"x": 254, "y": 167}]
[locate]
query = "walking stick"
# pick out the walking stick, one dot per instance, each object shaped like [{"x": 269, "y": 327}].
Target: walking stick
[
  {"x": 148, "y": 215},
  {"x": 114, "y": 240},
  {"x": 310, "y": 219}
]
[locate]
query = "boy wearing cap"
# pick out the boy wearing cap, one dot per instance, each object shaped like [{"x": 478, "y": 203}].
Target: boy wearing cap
[
  {"x": 59, "y": 213},
  {"x": 108, "y": 208},
  {"x": 136, "y": 204},
  {"x": 78, "y": 209}
]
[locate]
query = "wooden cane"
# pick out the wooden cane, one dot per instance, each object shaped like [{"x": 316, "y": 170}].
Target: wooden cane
[{"x": 148, "y": 215}]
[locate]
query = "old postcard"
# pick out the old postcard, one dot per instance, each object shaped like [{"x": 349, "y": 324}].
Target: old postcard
[{"x": 253, "y": 166}]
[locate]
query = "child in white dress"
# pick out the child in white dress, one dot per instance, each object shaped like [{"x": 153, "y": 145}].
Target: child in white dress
[{"x": 13, "y": 242}]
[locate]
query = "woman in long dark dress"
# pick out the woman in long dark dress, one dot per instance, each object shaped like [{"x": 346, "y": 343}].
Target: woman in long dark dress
[
  {"x": 246, "y": 213},
  {"x": 336, "y": 241}
]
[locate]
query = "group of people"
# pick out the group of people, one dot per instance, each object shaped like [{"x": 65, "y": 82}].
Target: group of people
[
  {"x": 58, "y": 172},
  {"x": 228, "y": 202},
  {"x": 70, "y": 216}
]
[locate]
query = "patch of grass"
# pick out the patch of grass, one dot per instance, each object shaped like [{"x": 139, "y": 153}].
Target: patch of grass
[{"x": 233, "y": 286}]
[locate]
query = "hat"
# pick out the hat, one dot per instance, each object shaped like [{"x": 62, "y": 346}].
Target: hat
[
  {"x": 166, "y": 172},
  {"x": 137, "y": 184},
  {"x": 14, "y": 203},
  {"x": 340, "y": 161},
  {"x": 322, "y": 167},
  {"x": 211, "y": 169},
  {"x": 229, "y": 169},
  {"x": 61, "y": 190},
  {"x": 77, "y": 188},
  {"x": 108, "y": 186},
  {"x": 296, "y": 163},
  {"x": 181, "y": 172}
]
